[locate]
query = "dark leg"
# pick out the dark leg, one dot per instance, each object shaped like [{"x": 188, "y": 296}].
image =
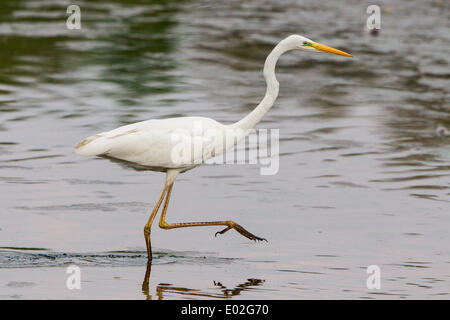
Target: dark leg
[
  {"x": 147, "y": 228},
  {"x": 230, "y": 224}
]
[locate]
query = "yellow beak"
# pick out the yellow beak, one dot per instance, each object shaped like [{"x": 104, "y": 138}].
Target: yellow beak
[{"x": 325, "y": 48}]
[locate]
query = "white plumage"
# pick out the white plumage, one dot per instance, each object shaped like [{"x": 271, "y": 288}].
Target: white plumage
[
  {"x": 152, "y": 143},
  {"x": 159, "y": 145}
]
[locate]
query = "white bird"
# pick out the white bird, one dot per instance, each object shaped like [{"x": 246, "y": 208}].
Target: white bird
[{"x": 166, "y": 145}]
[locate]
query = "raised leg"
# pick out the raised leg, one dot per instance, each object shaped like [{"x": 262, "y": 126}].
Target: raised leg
[{"x": 228, "y": 223}]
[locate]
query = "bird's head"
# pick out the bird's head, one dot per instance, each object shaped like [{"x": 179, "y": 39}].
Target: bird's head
[{"x": 303, "y": 43}]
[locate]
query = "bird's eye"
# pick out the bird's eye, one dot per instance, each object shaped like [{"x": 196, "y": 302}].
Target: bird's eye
[{"x": 307, "y": 44}]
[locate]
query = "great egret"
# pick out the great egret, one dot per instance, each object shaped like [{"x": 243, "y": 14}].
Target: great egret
[{"x": 150, "y": 144}]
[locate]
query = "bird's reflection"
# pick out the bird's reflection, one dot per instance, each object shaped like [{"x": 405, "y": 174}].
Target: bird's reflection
[
  {"x": 225, "y": 292},
  {"x": 147, "y": 280}
]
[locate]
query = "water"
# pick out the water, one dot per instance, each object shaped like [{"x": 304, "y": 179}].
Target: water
[{"x": 364, "y": 172}]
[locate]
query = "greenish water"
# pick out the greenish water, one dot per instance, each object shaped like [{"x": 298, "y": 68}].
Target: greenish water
[{"x": 363, "y": 179}]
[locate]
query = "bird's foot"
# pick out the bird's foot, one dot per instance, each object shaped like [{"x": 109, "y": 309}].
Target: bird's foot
[{"x": 242, "y": 231}]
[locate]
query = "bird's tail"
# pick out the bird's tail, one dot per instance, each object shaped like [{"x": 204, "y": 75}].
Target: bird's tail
[{"x": 92, "y": 146}]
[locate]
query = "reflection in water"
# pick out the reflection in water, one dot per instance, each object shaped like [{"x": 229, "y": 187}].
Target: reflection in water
[
  {"x": 167, "y": 288},
  {"x": 137, "y": 54},
  {"x": 145, "y": 283}
]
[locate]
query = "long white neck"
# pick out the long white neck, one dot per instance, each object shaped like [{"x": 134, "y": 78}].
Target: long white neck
[{"x": 254, "y": 117}]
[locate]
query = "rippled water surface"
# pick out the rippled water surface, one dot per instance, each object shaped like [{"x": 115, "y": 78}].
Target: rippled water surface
[{"x": 364, "y": 174}]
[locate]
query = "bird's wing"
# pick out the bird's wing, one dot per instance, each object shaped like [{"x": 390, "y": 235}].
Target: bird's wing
[
  {"x": 102, "y": 143},
  {"x": 154, "y": 143}
]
